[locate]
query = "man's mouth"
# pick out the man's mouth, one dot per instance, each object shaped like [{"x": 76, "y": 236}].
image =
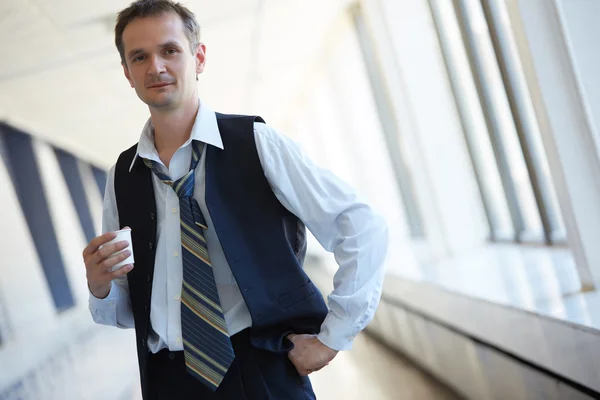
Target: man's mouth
[{"x": 159, "y": 85}]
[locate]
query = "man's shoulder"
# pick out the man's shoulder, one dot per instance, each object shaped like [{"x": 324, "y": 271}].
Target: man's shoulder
[
  {"x": 258, "y": 123},
  {"x": 238, "y": 128},
  {"x": 225, "y": 117},
  {"x": 131, "y": 150},
  {"x": 126, "y": 158}
]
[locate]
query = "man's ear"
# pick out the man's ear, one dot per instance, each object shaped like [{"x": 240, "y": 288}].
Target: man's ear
[
  {"x": 200, "y": 58},
  {"x": 126, "y": 71}
]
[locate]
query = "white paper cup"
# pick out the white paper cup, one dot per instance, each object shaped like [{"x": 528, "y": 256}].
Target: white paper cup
[{"x": 122, "y": 235}]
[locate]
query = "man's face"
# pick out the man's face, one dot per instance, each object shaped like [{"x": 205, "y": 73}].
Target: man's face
[{"x": 159, "y": 63}]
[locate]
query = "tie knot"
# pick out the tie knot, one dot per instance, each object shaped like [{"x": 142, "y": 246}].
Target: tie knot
[{"x": 184, "y": 186}]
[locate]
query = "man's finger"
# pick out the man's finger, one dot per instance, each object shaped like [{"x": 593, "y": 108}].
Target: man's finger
[
  {"x": 291, "y": 336},
  {"x": 292, "y": 357},
  {"x": 121, "y": 271},
  {"x": 109, "y": 250},
  {"x": 97, "y": 242},
  {"x": 111, "y": 261},
  {"x": 301, "y": 371}
]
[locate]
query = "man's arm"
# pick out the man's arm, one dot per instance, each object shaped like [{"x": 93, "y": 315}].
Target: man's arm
[
  {"x": 112, "y": 306},
  {"x": 341, "y": 222}
]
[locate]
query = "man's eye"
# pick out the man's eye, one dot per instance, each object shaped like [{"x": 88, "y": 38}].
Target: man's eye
[
  {"x": 171, "y": 51},
  {"x": 138, "y": 58}
]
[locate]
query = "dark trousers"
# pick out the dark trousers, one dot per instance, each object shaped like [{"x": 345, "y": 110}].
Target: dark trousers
[{"x": 255, "y": 374}]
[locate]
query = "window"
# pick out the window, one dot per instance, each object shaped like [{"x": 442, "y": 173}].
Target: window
[
  {"x": 24, "y": 171},
  {"x": 499, "y": 123},
  {"x": 70, "y": 169},
  {"x": 101, "y": 177}
]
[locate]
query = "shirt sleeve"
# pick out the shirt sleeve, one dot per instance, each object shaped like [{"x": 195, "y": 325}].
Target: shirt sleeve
[
  {"x": 114, "y": 309},
  {"x": 341, "y": 222}
]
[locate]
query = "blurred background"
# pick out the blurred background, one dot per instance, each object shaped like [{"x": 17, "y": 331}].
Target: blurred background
[{"x": 472, "y": 125}]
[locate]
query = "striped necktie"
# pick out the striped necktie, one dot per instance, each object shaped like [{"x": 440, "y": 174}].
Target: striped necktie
[{"x": 207, "y": 347}]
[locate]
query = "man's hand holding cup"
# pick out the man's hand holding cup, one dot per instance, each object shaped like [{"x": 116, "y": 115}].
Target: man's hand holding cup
[{"x": 107, "y": 257}]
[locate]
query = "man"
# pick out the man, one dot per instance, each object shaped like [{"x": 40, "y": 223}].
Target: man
[{"x": 218, "y": 205}]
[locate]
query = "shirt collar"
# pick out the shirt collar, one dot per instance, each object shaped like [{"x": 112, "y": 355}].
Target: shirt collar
[{"x": 205, "y": 129}]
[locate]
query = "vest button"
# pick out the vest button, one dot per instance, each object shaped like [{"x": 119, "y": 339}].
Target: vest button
[
  {"x": 143, "y": 343},
  {"x": 150, "y": 245},
  {"x": 152, "y": 215},
  {"x": 149, "y": 277}
]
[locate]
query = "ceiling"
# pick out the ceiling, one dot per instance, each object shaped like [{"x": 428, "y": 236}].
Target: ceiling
[{"x": 61, "y": 79}]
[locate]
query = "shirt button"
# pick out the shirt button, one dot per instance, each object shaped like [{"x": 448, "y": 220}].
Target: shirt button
[
  {"x": 178, "y": 340},
  {"x": 175, "y": 254},
  {"x": 174, "y": 211},
  {"x": 177, "y": 298}
]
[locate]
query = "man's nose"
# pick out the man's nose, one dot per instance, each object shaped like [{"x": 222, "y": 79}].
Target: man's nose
[{"x": 157, "y": 65}]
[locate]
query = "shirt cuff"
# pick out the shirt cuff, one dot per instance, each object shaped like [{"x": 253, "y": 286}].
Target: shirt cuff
[
  {"x": 112, "y": 295},
  {"x": 336, "y": 333},
  {"x": 103, "y": 309}
]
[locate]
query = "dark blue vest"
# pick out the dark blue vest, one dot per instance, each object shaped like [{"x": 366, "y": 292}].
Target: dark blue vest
[{"x": 263, "y": 242}]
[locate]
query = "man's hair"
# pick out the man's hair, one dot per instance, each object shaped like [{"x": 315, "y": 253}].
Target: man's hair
[{"x": 153, "y": 8}]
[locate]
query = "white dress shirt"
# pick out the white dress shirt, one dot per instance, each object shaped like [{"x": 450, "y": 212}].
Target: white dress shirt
[{"x": 328, "y": 207}]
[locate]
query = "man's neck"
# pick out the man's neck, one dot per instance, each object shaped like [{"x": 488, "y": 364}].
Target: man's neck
[{"x": 172, "y": 129}]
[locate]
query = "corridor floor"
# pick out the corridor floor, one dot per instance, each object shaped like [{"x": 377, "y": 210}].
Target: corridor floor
[{"x": 371, "y": 372}]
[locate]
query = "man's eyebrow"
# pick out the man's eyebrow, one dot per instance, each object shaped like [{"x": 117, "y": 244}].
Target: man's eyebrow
[
  {"x": 170, "y": 43},
  {"x": 134, "y": 52}
]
